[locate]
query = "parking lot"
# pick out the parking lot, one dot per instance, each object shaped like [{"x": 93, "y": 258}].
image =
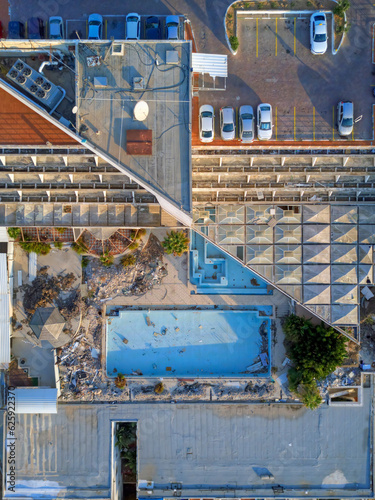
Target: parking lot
[{"x": 274, "y": 64}]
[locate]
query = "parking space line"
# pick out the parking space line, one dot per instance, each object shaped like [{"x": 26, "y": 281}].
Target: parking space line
[
  {"x": 276, "y": 38},
  {"x": 313, "y": 123},
  {"x": 294, "y": 124},
  {"x": 87, "y": 28},
  {"x": 276, "y": 123},
  {"x": 256, "y": 42},
  {"x": 295, "y": 25},
  {"x": 333, "y": 123},
  {"x": 105, "y": 26}
]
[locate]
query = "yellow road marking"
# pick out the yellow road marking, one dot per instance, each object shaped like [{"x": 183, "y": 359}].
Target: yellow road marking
[
  {"x": 314, "y": 124},
  {"x": 276, "y": 39},
  {"x": 295, "y": 36},
  {"x": 256, "y": 43},
  {"x": 333, "y": 123},
  {"x": 276, "y": 123},
  {"x": 294, "y": 123}
]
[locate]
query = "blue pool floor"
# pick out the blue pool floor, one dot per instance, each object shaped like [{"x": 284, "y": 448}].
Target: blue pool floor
[{"x": 185, "y": 343}]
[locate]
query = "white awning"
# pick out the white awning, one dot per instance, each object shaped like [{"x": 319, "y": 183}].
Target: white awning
[
  {"x": 211, "y": 64},
  {"x": 35, "y": 400},
  {"x": 4, "y": 312}
]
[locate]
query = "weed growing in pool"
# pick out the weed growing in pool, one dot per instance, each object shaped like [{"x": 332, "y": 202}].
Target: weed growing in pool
[
  {"x": 128, "y": 260},
  {"x": 176, "y": 243},
  {"x": 106, "y": 259}
]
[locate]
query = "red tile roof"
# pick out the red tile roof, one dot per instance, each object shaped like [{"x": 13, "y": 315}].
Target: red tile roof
[{"x": 20, "y": 125}]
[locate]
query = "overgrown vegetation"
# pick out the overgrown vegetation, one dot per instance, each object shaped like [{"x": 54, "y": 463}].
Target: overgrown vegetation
[
  {"x": 234, "y": 43},
  {"x": 35, "y": 246},
  {"x": 14, "y": 232},
  {"x": 316, "y": 351},
  {"x": 176, "y": 242},
  {"x": 341, "y": 7},
  {"x": 60, "y": 230},
  {"x": 137, "y": 234},
  {"x": 120, "y": 381},
  {"x": 58, "y": 245},
  {"x": 133, "y": 246},
  {"x": 106, "y": 259},
  {"x": 80, "y": 247},
  {"x": 128, "y": 260},
  {"x": 126, "y": 441},
  {"x": 159, "y": 388},
  {"x": 85, "y": 262}
]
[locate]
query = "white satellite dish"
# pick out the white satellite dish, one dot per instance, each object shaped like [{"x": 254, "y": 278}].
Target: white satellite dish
[
  {"x": 74, "y": 110},
  {"x": 141, "y": 111}
]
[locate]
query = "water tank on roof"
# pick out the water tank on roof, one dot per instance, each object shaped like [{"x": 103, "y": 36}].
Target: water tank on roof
[{"x": 141, "y": 111}]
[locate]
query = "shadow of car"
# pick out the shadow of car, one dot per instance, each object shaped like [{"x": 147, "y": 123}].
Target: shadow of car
[
  {"x": 152, "y": 31},
  {"x": 16, "y": 30},
  {"x": 35, "y": 28}
]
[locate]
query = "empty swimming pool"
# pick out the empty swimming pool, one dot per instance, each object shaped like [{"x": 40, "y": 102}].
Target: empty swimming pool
[{"x": 189, "y": 343}]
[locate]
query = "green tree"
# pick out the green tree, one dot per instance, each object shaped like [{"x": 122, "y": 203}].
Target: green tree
[
  {"x": 128, "y": 260},
  {"x": 234, "y": 42},
  {"x": 36, "y": 247},
  {"x": 14, "y": 232},
  {"x": 316, "y": 351},
  {"x": 310, "y": 396},
  {"x": 106, "y": 258},
  {"x": 176, "y": 242},
  {"x": 341, "y": 7}
]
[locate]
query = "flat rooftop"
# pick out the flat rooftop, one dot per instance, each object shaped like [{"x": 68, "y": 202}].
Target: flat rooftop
[
  {"x": 212, "y": 449},
  {"x": 106, "y": 111}
]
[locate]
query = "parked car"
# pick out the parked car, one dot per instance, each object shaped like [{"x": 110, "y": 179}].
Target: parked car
[
  {"x": 171, "y": 24},
  {"x": 95, "y": 24},
  {"x": 264, "y": 125},
  {"x": 318, "y": 33},
  {"x": 35, "y": 28},
  {"x": 153, "y": 28},
  {"x": 227, "y": 123},
  {"x": 56, "y": 28},
  {"x": 133, "y": 26},
  {"x": 345, "y": 117},
  {"x": 246, "y": 124},
  {"x": 16, "y": 30},
  {"x": 206, "y": 123}
]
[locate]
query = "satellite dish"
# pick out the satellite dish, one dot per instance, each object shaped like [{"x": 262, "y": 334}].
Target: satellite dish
[
  {"x": 141, "y": 111},
  {"x": 74, "y": 110}
]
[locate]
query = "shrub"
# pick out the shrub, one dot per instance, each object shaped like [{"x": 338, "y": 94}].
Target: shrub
[
  {"x": 159, "y": 388},
  {"x": 140, "y": 233},
  {"x": 85, "y": 262},
  {"x": 234, "y": 43},
  {"x": 128, "y": 260},
  {"x": 80, "y": 247},
  {"x": 36, "y": 247},
  {"x": 133, "y": 234},
  {"x": 176, "y": 242},
  {"x": 120, "y": 381},
  {"x": 341, "y": 7},
  {"x": 60, "y": 230},
  {"x": 133, "y": 246},
  {"x": 58, "y": 245},
  {"x": 310, "y": 396},
  {"x": 106, "y": 259},
  {"x": 14, "y": 232}
]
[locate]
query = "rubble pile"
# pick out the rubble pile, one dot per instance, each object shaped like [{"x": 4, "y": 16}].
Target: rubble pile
[
  {"x": 105, "y": 283},
  {"x": 46, "y": 290},
  {"x": 341, "y": 377},
  {"x": 259, "y": 390}
]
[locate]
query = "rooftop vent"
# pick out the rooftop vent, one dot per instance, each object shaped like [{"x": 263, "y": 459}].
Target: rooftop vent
[
  {"x": 27, "y": 71},
  {"x": 172, "y": 57},
  {"x": 21, "y": 79},
  {"x": 138, "y": 83},
  {"x": 19, "y": 65},
  {"x": 117, "y": 49}
]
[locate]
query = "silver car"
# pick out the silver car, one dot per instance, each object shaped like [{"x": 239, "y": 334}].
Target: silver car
[
  {"x": 318, "y": 33},
  {"x": 264, "y": 124},
  {"x": 345, "y": 117},
  {"x": 206, "y": 123},
  {"x": 227, "y": 123},
  {"x": 246, "y": 124}
]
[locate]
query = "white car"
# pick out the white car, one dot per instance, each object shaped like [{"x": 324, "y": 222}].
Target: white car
[
  {"x": 318, "y": 33},
  {"x": 227, "y": 123},
  {"x": 206, "y": 123},
  {"x": 133, "y": 26},
  {"x": 172, "y": 23},
  {"x": 56, "y": 28},
  {"x": 264, "y": 122},
  {"x": 95, "y": 27},
  {"x": 345, "y": 117},
  {"x": 246, "y": 124}
]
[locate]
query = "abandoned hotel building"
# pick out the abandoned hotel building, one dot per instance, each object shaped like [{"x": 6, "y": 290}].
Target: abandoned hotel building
[{"x": 100, "y": 158}]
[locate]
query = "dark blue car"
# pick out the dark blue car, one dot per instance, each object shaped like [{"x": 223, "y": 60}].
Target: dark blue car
[{"x": 16, "y": 30}]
